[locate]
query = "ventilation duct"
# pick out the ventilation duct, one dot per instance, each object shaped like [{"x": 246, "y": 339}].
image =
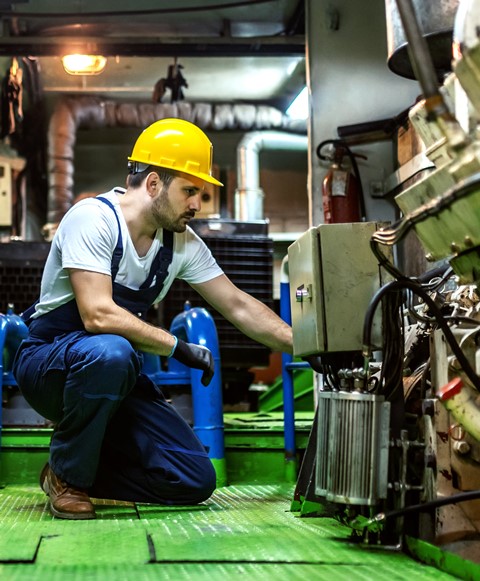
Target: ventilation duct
[
  {"x": 73, "y": 113},
  {"x": 249, "y": 195}
]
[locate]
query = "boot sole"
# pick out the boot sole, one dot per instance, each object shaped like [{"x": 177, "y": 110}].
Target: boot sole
[
  {"x": 72, "y": 515},
  {"x": 65, "y": 515}
]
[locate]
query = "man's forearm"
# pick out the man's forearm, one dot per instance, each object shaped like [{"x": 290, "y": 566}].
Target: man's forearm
[
  {"x": 143, "y": 336},
  {"x": 246, "y": 313},
  {"x": 270, "y": 331},
  {"x": 261, "y": 324}
]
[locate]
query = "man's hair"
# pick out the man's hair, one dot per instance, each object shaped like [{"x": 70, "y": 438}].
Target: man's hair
[{"x": 134, "y": 180}]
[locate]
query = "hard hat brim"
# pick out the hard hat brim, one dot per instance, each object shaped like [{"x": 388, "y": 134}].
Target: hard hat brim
[{"x": 208, "y": 178}]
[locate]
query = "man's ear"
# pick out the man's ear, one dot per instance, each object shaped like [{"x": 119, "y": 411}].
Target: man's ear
[{"x": 153, "y": 183}]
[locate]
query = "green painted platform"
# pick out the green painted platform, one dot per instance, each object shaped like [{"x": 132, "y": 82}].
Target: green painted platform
[
  {"x": 245, "y": 531},
  {"x": 242, "y": 532}
]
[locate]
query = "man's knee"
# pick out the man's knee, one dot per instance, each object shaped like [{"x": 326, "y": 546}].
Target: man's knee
[
  {"x": 190, "y": 488},
  {"x": 204, "y": 489},
  {"x": 114, "y": 355}
]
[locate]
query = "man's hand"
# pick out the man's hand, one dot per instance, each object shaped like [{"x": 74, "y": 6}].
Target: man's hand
[{"x": 197, "y": 357}]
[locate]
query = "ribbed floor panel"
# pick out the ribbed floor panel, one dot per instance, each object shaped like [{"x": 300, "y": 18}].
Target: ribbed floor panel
[{"x": 241, "y": 532}]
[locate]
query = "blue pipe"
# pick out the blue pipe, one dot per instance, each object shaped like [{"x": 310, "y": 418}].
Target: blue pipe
[
  {"x": 3, "y": 335},
  {"x": 195, "y": 325},
  {"x": 12, "y": 332},
  {"x": 15, "y": 332},
  {"x": 287, "y": 380}
]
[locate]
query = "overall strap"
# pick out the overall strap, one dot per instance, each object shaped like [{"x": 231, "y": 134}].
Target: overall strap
[
  {"x": 118, "y": 252},
  {"x": 27, "y": 313},
  {"x": 161, "y": 262}
]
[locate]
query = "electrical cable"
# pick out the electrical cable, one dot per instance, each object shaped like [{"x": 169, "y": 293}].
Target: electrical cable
[
  {"x": 383, "y": 260},
  {"x": 455, "y": 499},
  {"x": 393, "y": 347},
  {"x": 414, "y": 314},
  {"x": 436, "y": 276},
  {"x": 398, "y": 285},
  {"x": 420, "y": 318}
]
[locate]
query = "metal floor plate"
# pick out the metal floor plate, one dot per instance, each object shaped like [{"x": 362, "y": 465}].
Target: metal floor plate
[{"x": 242, "y": 531}]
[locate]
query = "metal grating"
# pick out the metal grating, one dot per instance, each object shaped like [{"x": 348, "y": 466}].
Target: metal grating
[
  {"x": 21, "y": 268},
  {"x": 248, "y": 262},
  {"x": 243, "y": 531}
]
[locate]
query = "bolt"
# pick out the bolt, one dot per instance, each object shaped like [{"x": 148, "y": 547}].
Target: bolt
[
  {"x": 428, "y": 407},
  {"x": 461, "y": 447}
]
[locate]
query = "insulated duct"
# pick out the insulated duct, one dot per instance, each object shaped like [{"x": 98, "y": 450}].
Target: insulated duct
[
  {"x": 72, "y": 113},
  {"x": 249, "y": 195}
]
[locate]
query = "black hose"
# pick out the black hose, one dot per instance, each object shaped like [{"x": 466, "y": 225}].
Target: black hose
[
  {"x": 383, "y": 261},
  {"x": 455, "y": 499},
  {"x": 397, "y": 285},
  {"x": 353, "y": 161},
  {"x": 320, "y": 146}
]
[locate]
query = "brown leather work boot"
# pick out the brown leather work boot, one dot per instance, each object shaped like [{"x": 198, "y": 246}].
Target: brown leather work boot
[{"x": 65, "y": 501}]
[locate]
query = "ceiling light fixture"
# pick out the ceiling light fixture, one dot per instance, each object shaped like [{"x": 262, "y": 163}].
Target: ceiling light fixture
[
  {"x": 298, "y": 108},
  {"x": 83, "y": 64}
]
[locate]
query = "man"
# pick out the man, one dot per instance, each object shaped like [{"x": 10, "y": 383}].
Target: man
[{"x": 111, "y": 258}]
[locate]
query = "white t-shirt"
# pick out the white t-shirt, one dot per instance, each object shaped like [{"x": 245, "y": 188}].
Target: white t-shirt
[{"x": 86, "y": 239}]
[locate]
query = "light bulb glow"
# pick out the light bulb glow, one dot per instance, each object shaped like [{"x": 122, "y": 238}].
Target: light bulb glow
[{"x": 83, "y": 64}]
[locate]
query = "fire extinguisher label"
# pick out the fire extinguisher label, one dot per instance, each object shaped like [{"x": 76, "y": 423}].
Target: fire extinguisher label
[{"x": 339, "y": 183}]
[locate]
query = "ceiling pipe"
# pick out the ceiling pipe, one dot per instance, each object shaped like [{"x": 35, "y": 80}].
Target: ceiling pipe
[
  {"x": 248, "y": 204},
  {"x": 204, "y": 46},
  {"x": 73, "y": 113}
]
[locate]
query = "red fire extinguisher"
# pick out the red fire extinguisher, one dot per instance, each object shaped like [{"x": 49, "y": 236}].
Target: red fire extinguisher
[{"x": 342, "y": 193}]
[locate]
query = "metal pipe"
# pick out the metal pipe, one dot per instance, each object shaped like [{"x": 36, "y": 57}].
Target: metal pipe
[
  {"x": 196, "y": 325},
  {"x": 12, "y": 332},
  {"x": 249, "y": 195},
  {"x": 287, "y": 381},
  {"x": 418, "y": 51},
  {"x": 72, "y": 113},
  {"x": 424, "y": 69}
]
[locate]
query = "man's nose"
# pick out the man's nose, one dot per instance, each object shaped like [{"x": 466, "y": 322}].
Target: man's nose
[{"x": 196, "y": 202}]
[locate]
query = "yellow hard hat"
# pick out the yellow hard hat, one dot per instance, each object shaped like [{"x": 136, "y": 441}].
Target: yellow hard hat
[{"x": 178, "y": 145}]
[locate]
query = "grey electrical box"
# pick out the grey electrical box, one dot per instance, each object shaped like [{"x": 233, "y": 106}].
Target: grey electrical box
[{"x": 333, "y": 276}]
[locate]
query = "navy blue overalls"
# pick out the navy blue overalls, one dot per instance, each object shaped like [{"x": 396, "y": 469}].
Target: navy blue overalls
[{"x": 115, "y": 434}]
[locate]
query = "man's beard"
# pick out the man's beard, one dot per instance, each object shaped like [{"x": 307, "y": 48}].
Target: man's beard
[{"x": 165, "y": 217}]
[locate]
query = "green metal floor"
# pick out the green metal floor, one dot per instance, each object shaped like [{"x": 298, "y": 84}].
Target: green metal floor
[{"x": 243, "y": 531}]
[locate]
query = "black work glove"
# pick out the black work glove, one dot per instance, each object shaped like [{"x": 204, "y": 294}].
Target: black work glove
[
  {"x": 315, "y": 362},
  {"x": 197, "y": 357}
]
